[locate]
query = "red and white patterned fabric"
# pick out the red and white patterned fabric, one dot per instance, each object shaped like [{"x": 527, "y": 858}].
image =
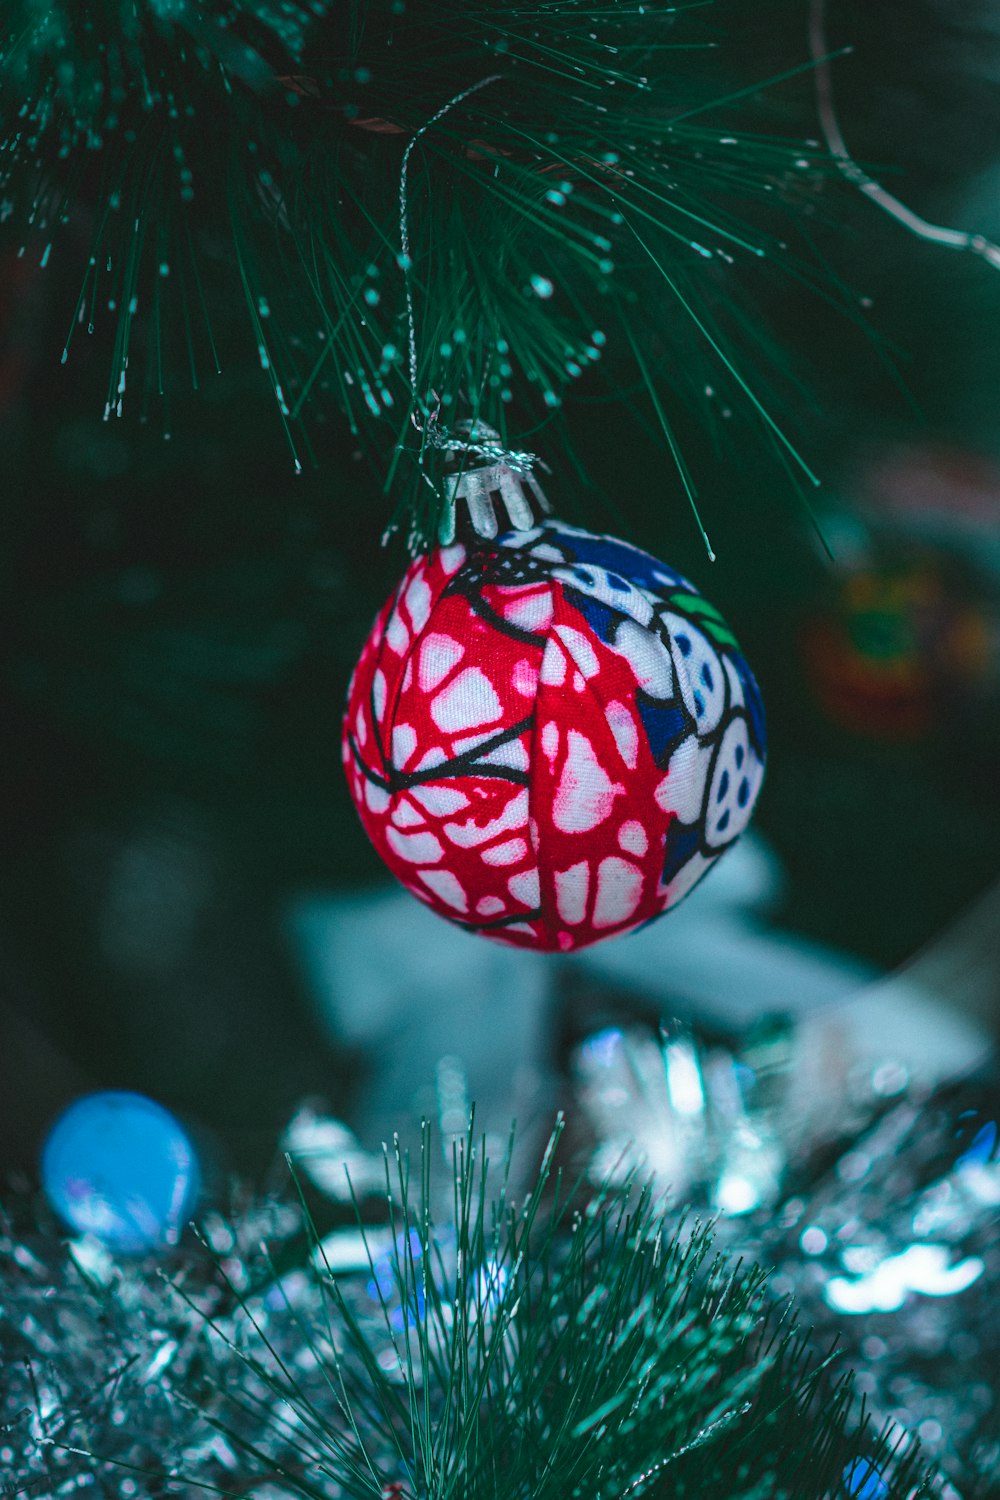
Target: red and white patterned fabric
[{"x": 551, "y": 738}]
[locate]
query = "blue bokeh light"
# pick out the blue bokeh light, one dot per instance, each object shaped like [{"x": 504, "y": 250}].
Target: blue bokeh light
[
  {"x": 384, "y": 1285},
  {"x": 864, "y": 1482},
  {"x": 982, "y": 1147},
  {"x": 119, "y": 1166}
]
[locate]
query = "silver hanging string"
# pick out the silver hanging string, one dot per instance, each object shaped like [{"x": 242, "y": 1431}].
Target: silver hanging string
[
  {"x": 405, "y": 259},
  {"x": 498, "y": 469}
]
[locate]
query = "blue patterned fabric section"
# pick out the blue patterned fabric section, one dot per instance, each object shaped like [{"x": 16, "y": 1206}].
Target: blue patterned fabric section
[{"x": 697, "y": 699}]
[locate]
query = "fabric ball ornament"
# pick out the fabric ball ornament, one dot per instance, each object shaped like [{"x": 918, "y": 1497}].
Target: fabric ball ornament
[{"x": 551, "y": 738}]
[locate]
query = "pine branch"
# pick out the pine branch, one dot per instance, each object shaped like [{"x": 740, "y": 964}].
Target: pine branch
[
  {"x": 548, "y": 1350},
  {"x": 194, "y": 157}
]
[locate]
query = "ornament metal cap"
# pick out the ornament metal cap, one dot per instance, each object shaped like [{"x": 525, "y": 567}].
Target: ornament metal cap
[{"x": 496, "y": 486}]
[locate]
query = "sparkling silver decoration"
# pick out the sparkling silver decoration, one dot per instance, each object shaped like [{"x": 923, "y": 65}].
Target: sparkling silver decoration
[
  {"x": 110, "y": 1365},
  {"x": 887, "y": 1237},
  {"x": 487, "y": 475},
  {"x": 330, "y": 1155},
  {"x": 703, "y": 1121}
]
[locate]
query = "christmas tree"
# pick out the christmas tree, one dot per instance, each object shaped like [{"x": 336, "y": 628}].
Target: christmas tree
[{"x": 277, "y": 279}]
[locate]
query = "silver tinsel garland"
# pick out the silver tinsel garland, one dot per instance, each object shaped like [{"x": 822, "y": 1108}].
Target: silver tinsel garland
[
  {"x": 121, "y": 1376},
  {"x": 885, "y": 1233},
  {"x": 110, "y": 1364}
]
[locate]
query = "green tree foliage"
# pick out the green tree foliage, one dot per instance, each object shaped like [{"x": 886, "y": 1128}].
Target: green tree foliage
[{"x": 590, "y": 188}]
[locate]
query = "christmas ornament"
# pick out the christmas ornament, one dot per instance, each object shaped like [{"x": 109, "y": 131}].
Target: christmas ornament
[
  {"x": 551, "y": 737},
  {"x": 119, "y": 1167}
]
